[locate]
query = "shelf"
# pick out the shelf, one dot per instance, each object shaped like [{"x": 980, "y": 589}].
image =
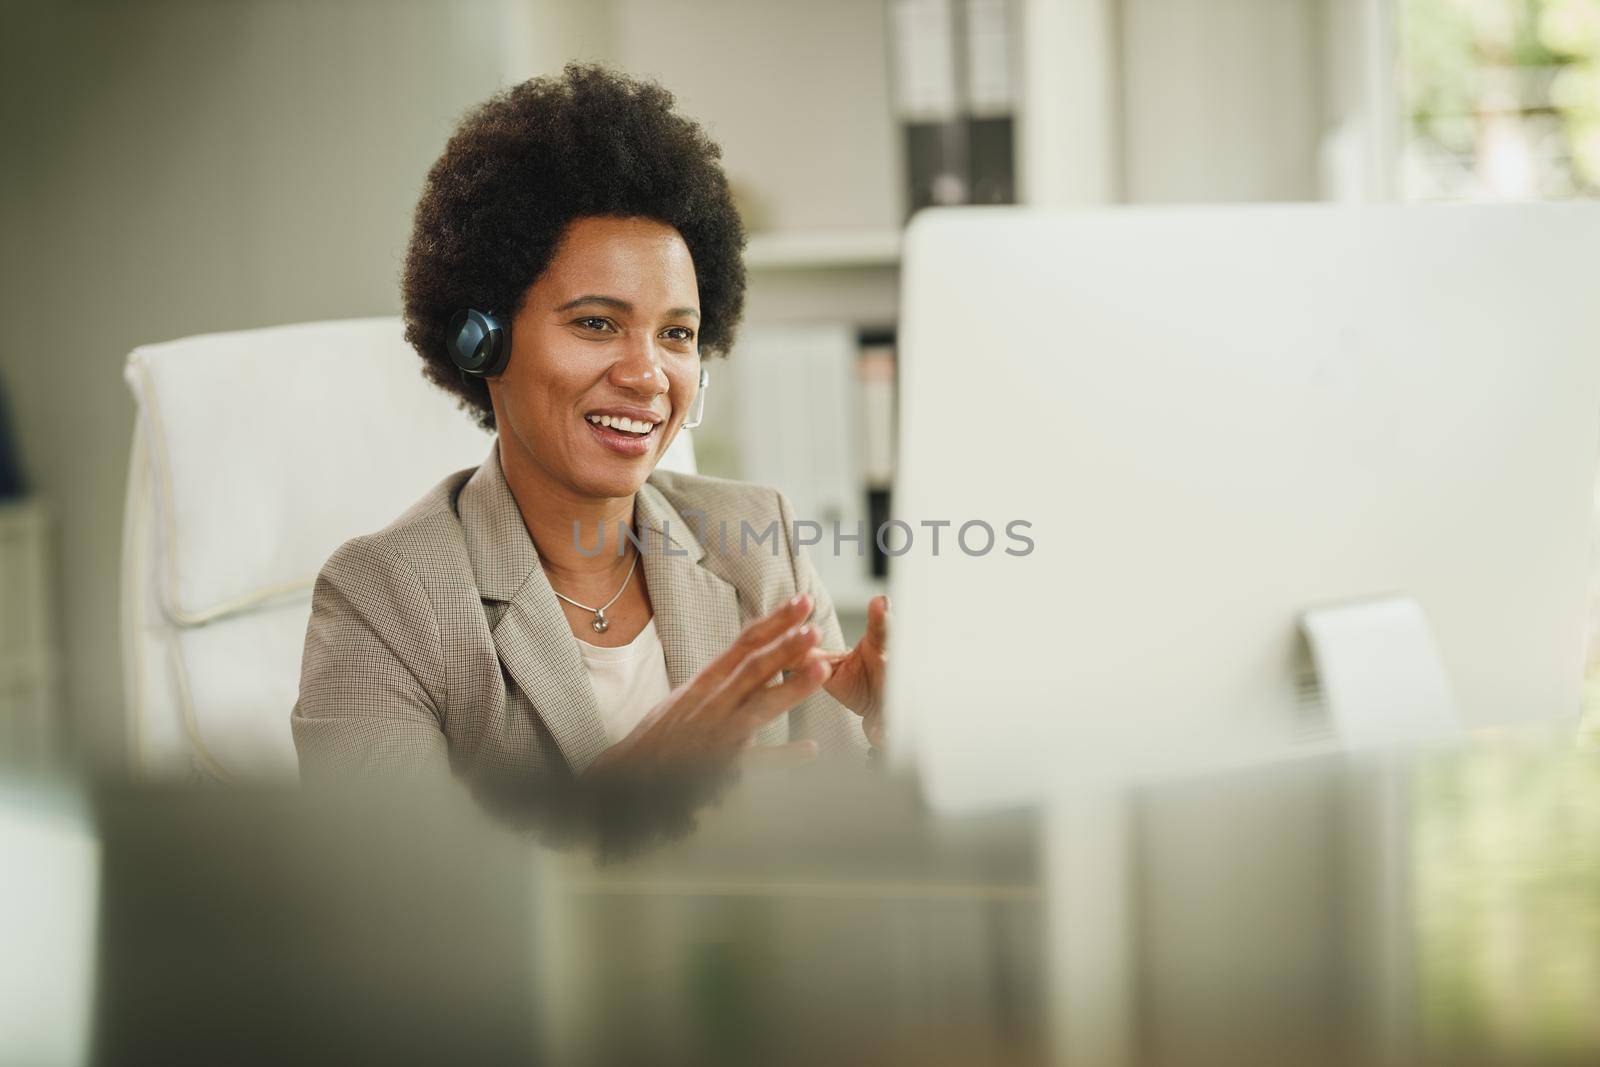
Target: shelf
[{"x": 823, "y": 249}]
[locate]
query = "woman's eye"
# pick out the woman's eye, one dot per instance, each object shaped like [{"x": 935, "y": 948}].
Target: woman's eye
[
  {"x": 680, "y": 333},
  {"x": 596, "y": 324}
]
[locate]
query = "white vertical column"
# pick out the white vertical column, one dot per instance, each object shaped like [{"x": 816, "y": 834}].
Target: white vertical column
[
  {"x": 1068, "y": 144},
  {"x": 1382, "y": 102},
  {"x": 1361, "y": 146}
]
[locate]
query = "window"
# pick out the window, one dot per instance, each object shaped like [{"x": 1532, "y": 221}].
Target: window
[{"x": 1502, "y": 99}]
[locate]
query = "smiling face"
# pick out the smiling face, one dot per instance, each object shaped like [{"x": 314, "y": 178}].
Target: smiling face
[{"x": 604, "y": 359}]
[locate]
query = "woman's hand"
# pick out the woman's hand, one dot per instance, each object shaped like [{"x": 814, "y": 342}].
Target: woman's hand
[
  {"x": 857, "y": 675},
  {"x": 707, "y": 722}
]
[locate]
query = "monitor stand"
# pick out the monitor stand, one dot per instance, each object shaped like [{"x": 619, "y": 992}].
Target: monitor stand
[{"x": 1381, "y": 676}]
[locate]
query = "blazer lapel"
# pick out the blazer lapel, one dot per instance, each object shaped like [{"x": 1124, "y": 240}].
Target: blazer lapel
[
  {"x": 697, "y": 611},
  {"x": 540, "y": 653},
  {"x": 532, "y": 637}
]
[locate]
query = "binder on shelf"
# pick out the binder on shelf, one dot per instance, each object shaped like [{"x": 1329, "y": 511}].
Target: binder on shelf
[
  {"x": 927, "y": 102},
  {"x": 876, "y": 408},
  {"x": 796, "y": 385},
  {"x": 923, "y": 36},
  {"x": 991, "y": 91},
  {"x": 876, "y": 372},
  {"x": 990, "y": 104},
  {"x": 954, "y": 96}
]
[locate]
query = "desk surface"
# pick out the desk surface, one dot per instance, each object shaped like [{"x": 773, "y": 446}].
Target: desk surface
[{"x": 1438, "y": 908}]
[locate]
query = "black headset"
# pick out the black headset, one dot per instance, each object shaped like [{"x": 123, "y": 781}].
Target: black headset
[{"x": 479, "y": 342}]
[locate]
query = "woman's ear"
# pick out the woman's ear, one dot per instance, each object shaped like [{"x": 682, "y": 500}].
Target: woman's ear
[{"x": 493, "y": 386}]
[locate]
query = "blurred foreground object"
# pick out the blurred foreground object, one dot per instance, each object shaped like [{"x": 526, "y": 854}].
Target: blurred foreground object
[
  {"x": 1437, "y": 909},
  {"x": 1430, "y": 909},
  {"x": 273, "y": 926}
]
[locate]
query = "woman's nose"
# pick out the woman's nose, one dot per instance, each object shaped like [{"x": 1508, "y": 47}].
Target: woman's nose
[{"x": 640, "y": 371}]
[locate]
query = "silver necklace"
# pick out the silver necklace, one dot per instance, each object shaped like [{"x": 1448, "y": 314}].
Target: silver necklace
[{"x": 601, "y": 624}]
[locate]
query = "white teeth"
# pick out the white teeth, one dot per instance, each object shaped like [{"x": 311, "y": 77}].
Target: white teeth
[{"x": 638, "y": 426}]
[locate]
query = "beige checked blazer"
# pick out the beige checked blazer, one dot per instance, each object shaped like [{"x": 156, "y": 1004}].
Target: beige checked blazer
[{"x": 437, "y": 645}]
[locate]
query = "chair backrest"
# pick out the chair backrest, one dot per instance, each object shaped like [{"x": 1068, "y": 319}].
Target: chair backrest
[{"x": 256, "y": 454}]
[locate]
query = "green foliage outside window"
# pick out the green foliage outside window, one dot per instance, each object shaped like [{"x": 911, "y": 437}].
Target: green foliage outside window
[{"x": 1502, "y": 97}]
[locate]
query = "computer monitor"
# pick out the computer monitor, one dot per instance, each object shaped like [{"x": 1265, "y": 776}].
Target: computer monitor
[{"x": 1186, "y": 427}]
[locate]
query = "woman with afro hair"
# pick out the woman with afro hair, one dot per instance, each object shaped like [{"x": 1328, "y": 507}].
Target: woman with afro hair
[{"x": 566, "y": 609}]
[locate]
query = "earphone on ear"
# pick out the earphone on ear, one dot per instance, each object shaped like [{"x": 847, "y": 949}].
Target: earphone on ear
[
  {"x": 697, "y": 406},
  {"x": 479, "y": 342}
]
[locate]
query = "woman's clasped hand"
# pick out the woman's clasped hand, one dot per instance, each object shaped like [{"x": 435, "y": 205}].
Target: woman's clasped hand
[{"x": 709, "y": 721}]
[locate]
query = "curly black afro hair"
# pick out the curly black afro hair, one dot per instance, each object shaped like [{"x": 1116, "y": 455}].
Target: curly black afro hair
[{"x": 529, "y": 161}]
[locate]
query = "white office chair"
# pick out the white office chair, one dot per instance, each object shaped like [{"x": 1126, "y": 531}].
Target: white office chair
[{"x": 256, "y": 454}]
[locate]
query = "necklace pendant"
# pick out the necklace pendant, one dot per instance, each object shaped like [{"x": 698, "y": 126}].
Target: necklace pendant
[{"x": 601, "y": 624}]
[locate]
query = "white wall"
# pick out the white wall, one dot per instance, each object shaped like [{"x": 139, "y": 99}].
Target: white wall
[
  {"x": 796, "y": 93},
  {"x": 179, "y": 167},
  {"x": 1222, "y": 99}
]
